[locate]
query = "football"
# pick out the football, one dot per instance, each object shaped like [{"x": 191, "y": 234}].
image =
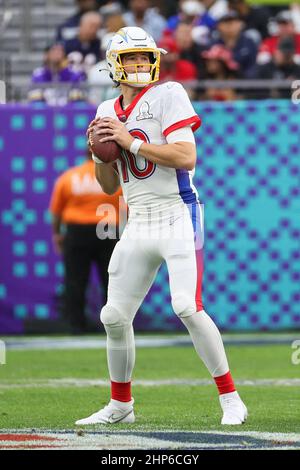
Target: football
[{"x": 105, "y": 151}]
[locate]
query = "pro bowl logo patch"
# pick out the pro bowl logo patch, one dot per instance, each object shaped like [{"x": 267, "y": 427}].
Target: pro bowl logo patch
[{"x": 144, "y": 112}]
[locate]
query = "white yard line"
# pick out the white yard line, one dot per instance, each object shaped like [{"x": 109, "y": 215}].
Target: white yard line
[
  {"x": 142, "y": 341},
  {"x": 76, "y": 382}
]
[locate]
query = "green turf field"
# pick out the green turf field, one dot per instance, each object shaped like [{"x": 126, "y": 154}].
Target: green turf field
[{"x": 34, "y": 392}]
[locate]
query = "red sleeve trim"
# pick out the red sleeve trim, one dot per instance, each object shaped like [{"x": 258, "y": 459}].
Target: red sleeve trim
[{"x": 194, "y": 121}]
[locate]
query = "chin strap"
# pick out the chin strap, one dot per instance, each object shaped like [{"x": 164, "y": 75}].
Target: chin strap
[{"x": 116, "y": 84}]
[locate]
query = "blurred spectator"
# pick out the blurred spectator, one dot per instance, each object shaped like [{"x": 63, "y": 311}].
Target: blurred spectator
[
  {"x": 74, "y": 202},
  {"x": 188, "y": 49},
  {"x": 113, "y": 23},
  {"x": 101, "y": 85},
  {"x": 84, "y": 50},
  {"x": 256, "y": 18},
  {"x": 281, "y": 66},
  {"x": 54, "y": 70},
  {"x": 110, "y": 9},
  {"x": 231, "y": 35},
  {"x": 55, "y": 67},
  {"x": 167, "y": 8},
  {"x": 69, "y": 29},
  {"x": 285, "y": 29},
  {"x": 173, "y": 68},
  {"x": 219, "y": 65},
  {"x": 141, "y": 14},
  {"x": 295, "y": 12},
  {"x": 191, "y": 12},
  {"x": 216, "y": 8}
]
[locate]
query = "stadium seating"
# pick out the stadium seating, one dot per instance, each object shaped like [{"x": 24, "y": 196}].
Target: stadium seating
[{"x": 31, "y": 28}]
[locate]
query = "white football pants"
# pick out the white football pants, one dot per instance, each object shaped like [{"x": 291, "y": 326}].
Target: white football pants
[{"x": 176, "y": 238}]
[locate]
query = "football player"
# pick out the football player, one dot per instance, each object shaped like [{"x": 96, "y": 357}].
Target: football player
[{"x": 154, "y": 124}]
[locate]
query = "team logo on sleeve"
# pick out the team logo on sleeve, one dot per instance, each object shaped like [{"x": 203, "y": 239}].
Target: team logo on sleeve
[{"x": 144, "y": 112}]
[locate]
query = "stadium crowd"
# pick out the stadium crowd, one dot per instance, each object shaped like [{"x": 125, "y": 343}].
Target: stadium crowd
[{"x": 206, "y": 40}]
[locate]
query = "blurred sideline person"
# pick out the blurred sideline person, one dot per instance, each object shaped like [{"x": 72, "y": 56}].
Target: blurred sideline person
[
  {"x": 74, "y": 202},
  {"x": 154, "y": 125}
]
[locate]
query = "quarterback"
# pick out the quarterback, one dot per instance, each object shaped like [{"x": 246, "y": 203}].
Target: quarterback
[{"x": 153, "y": 123}]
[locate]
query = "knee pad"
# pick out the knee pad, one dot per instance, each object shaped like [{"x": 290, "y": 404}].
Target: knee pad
[
  {"x": 110, "y": 316},
  {"x": 183, "y": 305},
  {"x": 116, "y": 325}
]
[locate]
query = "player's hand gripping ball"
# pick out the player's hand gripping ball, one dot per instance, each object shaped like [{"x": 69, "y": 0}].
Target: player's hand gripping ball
[{"x": 105, "y": 151}]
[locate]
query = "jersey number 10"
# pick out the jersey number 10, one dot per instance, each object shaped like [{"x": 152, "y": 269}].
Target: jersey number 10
[{"x": 129, "y": 160}]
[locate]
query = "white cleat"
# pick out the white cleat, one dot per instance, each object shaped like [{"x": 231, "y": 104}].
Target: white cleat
[
  {"x": 115, "y": 412},
  {"x": 234, "y": 410}
]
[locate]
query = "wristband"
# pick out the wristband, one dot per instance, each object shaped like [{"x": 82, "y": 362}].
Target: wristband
[{"x": 135, "y": 146}]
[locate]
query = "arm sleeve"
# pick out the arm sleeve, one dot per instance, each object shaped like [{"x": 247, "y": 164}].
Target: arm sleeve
[
  {"x": 177, "y": 110},
  {"x": 184, "y": 134}
]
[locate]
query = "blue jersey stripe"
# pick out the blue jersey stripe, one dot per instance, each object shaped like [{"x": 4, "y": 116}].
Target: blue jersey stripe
[
  {"x": 190, "y": 198},
  {"x": 186, "y": 192}
]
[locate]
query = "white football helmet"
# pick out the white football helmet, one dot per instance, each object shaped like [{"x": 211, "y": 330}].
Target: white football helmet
[{"x": 132, "y": 39}]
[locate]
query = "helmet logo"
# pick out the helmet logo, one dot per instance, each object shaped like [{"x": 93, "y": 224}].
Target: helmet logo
[{"x": 122, "y": 33}]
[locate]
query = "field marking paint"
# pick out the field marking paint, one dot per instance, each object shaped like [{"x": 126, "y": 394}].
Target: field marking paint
[
  {"x": 145, "y": 341},
  {"x": 2, "y": 353},
  {"x": 75, "y": 382},
  {"x": 121, "y": 440}
]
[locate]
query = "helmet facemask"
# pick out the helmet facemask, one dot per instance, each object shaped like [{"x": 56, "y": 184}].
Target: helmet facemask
[{"x": 136, "y": 78}]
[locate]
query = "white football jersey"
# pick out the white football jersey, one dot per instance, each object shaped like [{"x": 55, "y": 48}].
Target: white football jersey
[{"x": 155, "y": 112}]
